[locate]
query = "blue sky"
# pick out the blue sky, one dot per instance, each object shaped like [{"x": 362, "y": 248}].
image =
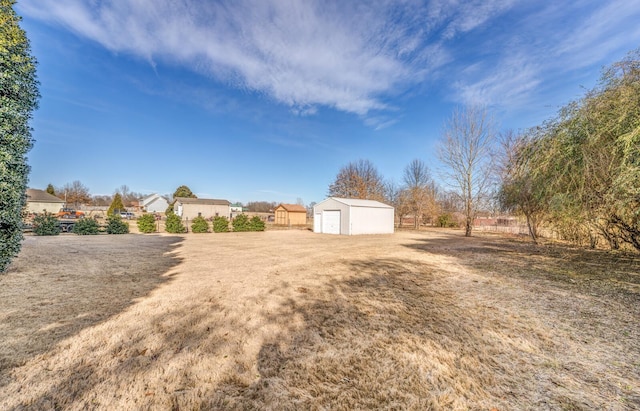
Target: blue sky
[{"x": 266, "y": 99}]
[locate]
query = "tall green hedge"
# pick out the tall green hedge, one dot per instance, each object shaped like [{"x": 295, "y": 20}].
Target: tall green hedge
[{"x": 18, "y": 99}]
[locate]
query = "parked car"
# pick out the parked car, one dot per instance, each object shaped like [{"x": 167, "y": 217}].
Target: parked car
[{"x": 127, "y": 215}]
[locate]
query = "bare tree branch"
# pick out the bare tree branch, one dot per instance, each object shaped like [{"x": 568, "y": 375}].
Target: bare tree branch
[{"x": 465, "y": 148}]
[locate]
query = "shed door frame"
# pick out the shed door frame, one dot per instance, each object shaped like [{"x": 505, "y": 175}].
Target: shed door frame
[
  {"x": 331, "y": 220},
  {"x": 317, "y": 222}
]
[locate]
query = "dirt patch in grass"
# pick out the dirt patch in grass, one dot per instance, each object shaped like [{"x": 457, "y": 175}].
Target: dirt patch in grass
[{"x": 296, "y": 320}]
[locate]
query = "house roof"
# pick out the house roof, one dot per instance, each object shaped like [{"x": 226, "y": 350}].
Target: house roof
[
  {"x": 207, "y": 201},
  {"x": 41, "y": 196},
  {"x": 151, "y": 198},
  {"x": 356, "y": 202},
  {"x": 293, "y": 208},
  {"x": 147, "y": 198}
]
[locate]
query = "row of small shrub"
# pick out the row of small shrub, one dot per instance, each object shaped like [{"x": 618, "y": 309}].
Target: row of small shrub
[
  {"x": 174, "y": 225},
  {"x": 243, "y": 223},
  {"x": 48, "y": 224}
]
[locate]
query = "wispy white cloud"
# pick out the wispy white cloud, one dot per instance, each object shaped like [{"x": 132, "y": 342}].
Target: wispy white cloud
[
  {"x": 468, "y": 15},
  {"x": 550, "y": 45},
  {"x": 512, "y": 82},
  {"x": 380, "y": 122},
  {"x": 344, "y": 55},
  {"x": 358, "y": 56},
  {"x": 609, "y": 29}
]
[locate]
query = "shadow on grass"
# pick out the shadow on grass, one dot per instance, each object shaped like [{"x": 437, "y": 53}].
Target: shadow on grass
[
  {"x": 390, "y": 337},
  {"x": 396, "y": 336},
  {"x": 594, "y": 270},
  {"x": 62, "y": 285}
]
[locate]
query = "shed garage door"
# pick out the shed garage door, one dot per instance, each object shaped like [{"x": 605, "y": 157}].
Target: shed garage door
[{"x": 331, "y": 221}]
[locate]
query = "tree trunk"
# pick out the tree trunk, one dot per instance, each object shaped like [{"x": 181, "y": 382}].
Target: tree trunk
[
  {"x": 468, "y": 228},
  {"x": 468, "y": 212},
  {"x": 532, "y": 229}
]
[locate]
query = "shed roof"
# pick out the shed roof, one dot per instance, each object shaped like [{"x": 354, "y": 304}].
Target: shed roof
[
  {"x": 204, "y": 201},
  {"x": 40, "y": 196},
  {"x": 293, "y": 208},
  {"x": 356, "y": 202}
]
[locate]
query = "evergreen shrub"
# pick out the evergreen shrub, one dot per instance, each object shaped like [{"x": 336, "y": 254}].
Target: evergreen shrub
[
  {"x": 46, "y": 224},
  {"x": 199, "y": 225},
  {"x": 240, "y": 223},
  {"x": 174, "y": 225},
  {"x": 447, "y": 220},
  {"x": 117, "y": 205},
  {"x": 220, "y": 224},
  {"x": 86, "y": 226},
  {"x": 115, "y": 225},
  {"x": 256, "y": 224},
  {"x": 147, "y": 223}
]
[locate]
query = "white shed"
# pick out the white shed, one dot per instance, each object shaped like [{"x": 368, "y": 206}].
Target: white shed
[{"x": 349, "y": 216}]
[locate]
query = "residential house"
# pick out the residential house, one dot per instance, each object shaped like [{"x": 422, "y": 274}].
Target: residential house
[
  {"x": 235, "y": 210},
  {"x": 190, "y": 208},
  {"x": 154, "y": 203},
  {"x": 39, "y": 201}
]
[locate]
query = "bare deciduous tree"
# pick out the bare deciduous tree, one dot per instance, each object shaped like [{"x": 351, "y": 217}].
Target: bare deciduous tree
[
  {"x": 101, "y": 200},
  {"x": 394, "y": 196},
  {"x": 128, "y": 197},
  {"x": 465, "y": 148},
  {"x": 74, "y": 193},
  {"x": 522, "y": 189},
  {"x": 419, "y": 191},
  {"x": 261, "y": 206},
  {"x": 358, "y": 179}
]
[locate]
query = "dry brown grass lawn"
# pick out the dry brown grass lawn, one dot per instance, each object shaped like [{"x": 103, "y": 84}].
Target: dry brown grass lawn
[{"x": 295, "y": 320}]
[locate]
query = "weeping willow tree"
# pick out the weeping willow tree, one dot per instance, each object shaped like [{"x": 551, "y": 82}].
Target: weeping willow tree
[
  {"x": 581, "y": 170},
  {"x": 523, "y": 187},
  {"x": 18, "y": 99}
]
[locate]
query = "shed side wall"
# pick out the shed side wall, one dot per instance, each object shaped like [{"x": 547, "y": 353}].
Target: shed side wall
[
  {"x": 368, "y": 220},
  {"x": 297, "y": 218}
]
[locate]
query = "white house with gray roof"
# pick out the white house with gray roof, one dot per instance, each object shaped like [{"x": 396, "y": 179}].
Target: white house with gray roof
[{"x": 154, "y": 203}]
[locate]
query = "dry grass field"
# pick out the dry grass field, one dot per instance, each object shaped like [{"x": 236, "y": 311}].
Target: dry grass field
[{"x": 286, "y": 320}]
